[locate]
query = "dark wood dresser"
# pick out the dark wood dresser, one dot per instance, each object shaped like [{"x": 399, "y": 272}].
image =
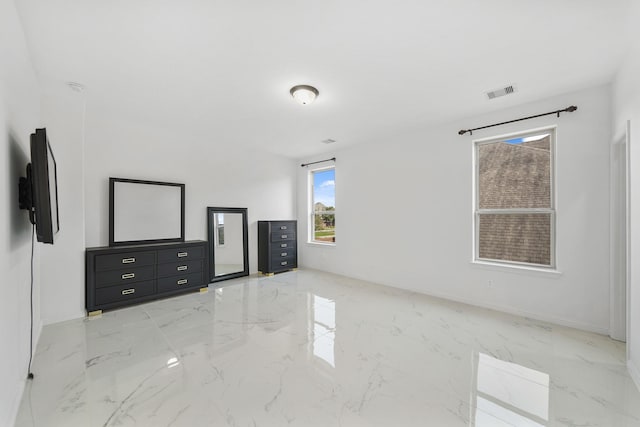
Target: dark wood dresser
[
  {"x": 277, "y": 246},
  {"x": 124, "y": 275}
]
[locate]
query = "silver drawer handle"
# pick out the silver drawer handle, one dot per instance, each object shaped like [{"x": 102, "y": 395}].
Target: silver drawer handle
[
  {"x": 128, "y": 291},
  {"x": 183, "y": 254},
  {"x": 284, "y": 236},
  {"x": 182, "y": 267},
  {"x": 182, "y": 282},
  {"x": 129, "y": 276},
  {"x": 128, "y": 260},
  {"x": 283, "y": 254},
  {"x": 283, "y": 263},
  {"x": 284, "y": 245},
  {"x": 283, "y": 227}
]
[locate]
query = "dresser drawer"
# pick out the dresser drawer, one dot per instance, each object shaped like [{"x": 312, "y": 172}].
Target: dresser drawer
[
  {"x": 283, "y": 264},
  {"x": 117, "y": 293},
  {"x": 124, "y": 275},
  {"x": 180, "y": 282},
  {"x": 180, "y": 268},
  {"x": 180, "y": 254},
  {"x": 278, "y": 253},
  {"x": 280, "y": 236},
  {"x": 124, "y": 260},
  {"x": 281, "y": 226},
  {"x": 285, "y": 244},
  {"x": 117, "y": 277}
]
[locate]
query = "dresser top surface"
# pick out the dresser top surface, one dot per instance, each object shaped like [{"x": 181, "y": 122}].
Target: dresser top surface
[{"x": 153, "y": 246}]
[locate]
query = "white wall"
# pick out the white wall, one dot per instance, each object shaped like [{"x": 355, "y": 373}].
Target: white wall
[
  {"x": 215, "y": 174},
  {"x": 90, "y": 147},
  {"x": 63, "y": 262},
  {"x": 626, "y": 106},
  {"x": 404, "y": 215},
  {"x": 19, "y": 116}
]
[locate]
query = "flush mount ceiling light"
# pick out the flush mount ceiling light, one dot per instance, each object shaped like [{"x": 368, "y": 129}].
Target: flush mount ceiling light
[{"x": 304, "y": 94}]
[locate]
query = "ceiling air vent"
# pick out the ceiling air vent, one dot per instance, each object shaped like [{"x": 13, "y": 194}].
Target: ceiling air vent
[
  {"x": 328, "y": 141},
  {"x": 501, "y": 92}
]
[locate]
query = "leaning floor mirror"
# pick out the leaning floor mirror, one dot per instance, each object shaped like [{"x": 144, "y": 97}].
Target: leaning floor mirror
[{"x": 228, "y": 243}]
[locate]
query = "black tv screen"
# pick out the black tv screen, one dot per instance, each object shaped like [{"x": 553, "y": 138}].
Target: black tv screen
[{"x": 44, "y": 187}]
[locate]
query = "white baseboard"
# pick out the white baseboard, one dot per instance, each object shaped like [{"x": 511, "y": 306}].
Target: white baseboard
[
  {"x": 634, "y": 372},
  {"x": 544, "y": 317},
  {"x": 65, "y": 318}
]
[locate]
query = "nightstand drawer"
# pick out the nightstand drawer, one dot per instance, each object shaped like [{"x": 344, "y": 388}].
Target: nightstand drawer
[
  {"x": 124, "y": 275},
  {"x": 180, "y": 282},
  {"x": 111, "y": 294},
  {"x": 280, "y": 236},
  {"x": 180, "y": 254},
  {"x": 124, "y": 260},
  {"x": 179, "y": 268}
]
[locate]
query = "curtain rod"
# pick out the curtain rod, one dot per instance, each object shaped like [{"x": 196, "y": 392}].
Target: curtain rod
[
  {"x": 333, "y": 159},
  {"x": 570, "y": 109}
]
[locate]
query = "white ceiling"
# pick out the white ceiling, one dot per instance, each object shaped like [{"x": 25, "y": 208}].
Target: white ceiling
[{"x": 382, "y": 67}]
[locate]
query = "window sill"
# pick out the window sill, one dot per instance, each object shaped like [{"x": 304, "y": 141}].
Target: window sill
[
  {"x": 319, "y": 244},
  {"x": 515, "y": 268}
]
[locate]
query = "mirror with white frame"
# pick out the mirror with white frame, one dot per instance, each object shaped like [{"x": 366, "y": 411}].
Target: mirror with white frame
[{"x": 228, "y": 249}]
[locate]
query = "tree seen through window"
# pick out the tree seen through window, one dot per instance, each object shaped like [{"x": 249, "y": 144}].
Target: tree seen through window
[{"x": 323, "y": 207}]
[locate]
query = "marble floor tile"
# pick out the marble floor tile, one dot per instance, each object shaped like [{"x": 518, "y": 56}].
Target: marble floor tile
[{"x": 308, "y": 348}]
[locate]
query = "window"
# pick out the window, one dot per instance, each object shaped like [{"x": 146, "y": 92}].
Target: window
[
  {"x": 514, "y": 199},
  {"x": 220, "y": 228},
  {"x": 323, "y": 201}
]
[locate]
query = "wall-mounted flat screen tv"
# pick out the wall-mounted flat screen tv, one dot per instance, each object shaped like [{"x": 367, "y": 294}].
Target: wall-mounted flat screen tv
[
  {"x": 143, "y": 212},
  {"x": 39, "y": 189}
]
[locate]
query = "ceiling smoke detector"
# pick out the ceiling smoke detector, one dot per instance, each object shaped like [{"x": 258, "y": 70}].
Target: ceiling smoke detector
[
  {"x": 328, "y": 141},
  {"x": 76, "y": 87},
  {"x": 507, "y": 90}
]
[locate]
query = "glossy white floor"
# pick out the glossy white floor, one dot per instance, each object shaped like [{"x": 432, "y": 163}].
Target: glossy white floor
[{"x": 308, "y": 348}]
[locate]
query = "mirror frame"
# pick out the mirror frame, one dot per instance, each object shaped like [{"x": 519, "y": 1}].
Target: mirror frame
[
  {"x": 211, "y": 236},
  {"x": 112, "y": 207}
]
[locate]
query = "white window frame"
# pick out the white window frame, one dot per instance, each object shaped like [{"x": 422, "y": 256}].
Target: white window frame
[
  {"x": 311, "y": 213},
  {"x": 552, "y": 130}
]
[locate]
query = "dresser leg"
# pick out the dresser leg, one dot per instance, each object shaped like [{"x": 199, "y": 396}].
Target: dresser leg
[
  {"x": 268, "y": 274},
  {"x": 203, "y": 290},
  {"x": 95, "y": 313}
]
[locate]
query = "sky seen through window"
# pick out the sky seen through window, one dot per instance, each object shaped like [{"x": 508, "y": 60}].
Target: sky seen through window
[{"x": 324, "y": 187}]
